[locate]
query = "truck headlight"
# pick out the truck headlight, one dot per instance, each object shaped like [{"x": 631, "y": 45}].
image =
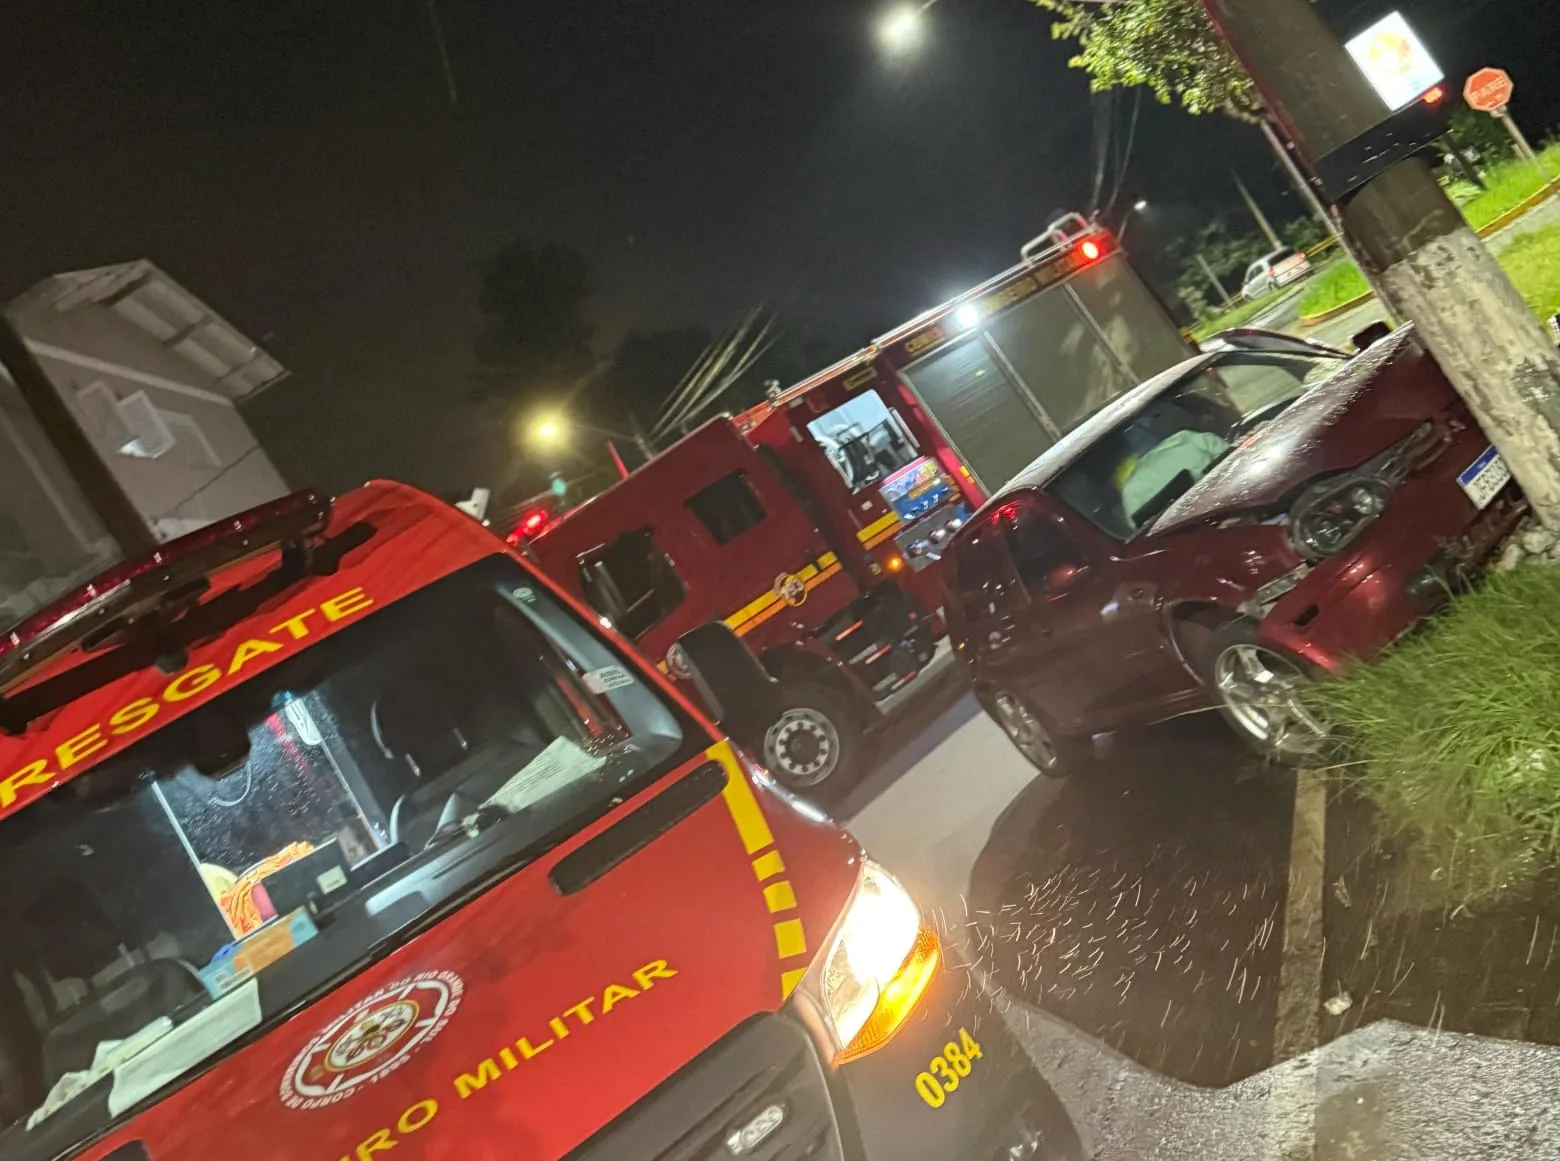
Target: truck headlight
[{"x": 876, "y": 966}]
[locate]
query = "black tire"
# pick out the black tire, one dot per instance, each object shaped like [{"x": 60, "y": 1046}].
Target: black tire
[
  {"x": 815, "y": 738},
  {"x": 1053, "y": 754},
  {"x": 1252, "y": 683}
]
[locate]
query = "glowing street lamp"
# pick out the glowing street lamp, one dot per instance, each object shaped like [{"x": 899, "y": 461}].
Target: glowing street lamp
[
  {"x": 555, "y": 430},
  {"x": 901, "y": 29}
]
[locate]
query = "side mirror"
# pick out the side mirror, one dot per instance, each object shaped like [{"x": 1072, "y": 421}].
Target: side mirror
[
  {"x": 1371, "y": 335},
  {"x": 735, "y": 687},
  {"x": 1064, "y": 578}
]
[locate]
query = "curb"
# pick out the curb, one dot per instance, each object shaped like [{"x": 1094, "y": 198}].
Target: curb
[
  {"x": 1492, "y": 227},
  {"x": 1310, "y": 320},
  {"x": 1522, "y": 207}
]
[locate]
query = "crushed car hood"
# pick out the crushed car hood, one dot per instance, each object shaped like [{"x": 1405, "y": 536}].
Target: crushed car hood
[{"x": 1375, "y": 400}]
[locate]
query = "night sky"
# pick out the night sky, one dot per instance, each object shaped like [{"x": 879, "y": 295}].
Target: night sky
[{"x": 298, "y": 164}]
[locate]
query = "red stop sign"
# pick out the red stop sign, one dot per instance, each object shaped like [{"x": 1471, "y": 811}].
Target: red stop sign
[{"x": 1488, "y": 90}]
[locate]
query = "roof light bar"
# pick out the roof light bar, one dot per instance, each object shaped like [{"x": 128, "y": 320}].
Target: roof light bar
[{"x": 286, "y": 523}]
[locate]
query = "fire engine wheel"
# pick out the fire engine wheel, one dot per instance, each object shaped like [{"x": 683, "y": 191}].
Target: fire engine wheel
[{"x": 815, "y": 737}]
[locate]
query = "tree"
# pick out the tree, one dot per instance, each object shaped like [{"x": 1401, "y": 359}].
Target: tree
[
  {"x": 1303, "y": 233},
  {"x": 534, "y": 331},
  {"x": 1168, "y": 45},
  {"x": 1478, "y": 136},
  {"x": 1226, "y": 253}
]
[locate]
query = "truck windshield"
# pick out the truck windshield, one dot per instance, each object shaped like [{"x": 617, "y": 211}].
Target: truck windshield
[
  {"x": 179, "y": 898},
  {"x": 864, "y": 439}
]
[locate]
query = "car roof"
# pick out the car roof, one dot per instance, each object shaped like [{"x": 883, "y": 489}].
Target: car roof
[{"x": 1066, "y": 451}]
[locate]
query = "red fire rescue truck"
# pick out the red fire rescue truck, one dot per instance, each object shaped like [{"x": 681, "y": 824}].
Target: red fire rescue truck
[
  {"x": 812, "y": 525},
  {"x": 333, "y": 831}
]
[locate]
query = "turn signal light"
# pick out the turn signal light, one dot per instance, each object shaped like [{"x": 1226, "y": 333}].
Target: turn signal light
[{"x": 898, "y": 998}]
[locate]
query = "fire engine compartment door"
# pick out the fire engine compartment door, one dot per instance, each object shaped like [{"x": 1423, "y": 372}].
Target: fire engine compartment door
[
  {"x": 1141, "y": 334},
  {"x": 1038, "y": 369},
  {"x": 984, "y": 412}
]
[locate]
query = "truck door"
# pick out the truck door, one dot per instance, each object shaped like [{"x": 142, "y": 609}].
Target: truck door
[
  {"x": 632, "y": 582},
  {"x": 760, "y": 555},
  {"x": 898, "y": 489}
]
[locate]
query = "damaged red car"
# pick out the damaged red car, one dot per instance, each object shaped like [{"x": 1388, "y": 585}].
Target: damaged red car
[{"x": 1219, "y": 536}]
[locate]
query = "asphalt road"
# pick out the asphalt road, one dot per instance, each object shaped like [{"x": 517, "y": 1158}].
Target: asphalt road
[{"x": 1148, "y": 929}]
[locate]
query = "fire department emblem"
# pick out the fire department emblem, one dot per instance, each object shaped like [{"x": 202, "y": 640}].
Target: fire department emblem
[
  {"x": 371, "y": 1039},
  {"x": 791, "y": 589}
]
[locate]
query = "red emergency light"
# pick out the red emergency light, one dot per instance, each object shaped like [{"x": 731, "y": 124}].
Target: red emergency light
[
  {"x": 1090, "y": 249},
  {"x": 533, "y": 523}
]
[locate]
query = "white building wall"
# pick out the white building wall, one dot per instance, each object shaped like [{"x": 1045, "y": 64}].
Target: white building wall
[
  {"x": 158, "y": 405},
  {"x": 201, "y": 462}
]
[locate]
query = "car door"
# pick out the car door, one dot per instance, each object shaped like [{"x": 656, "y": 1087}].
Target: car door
[
  {"x": 1027, "y": 638},
  {"x": 1256, "y": 280},
  {"x": 1097, "y": 619}
]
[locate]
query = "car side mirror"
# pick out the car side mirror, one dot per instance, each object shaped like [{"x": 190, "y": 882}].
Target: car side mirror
[
  {"x": 737, "y": 691},
  {"x": 1371, "y": 335},
  {"x": 1064, "y": 578}
]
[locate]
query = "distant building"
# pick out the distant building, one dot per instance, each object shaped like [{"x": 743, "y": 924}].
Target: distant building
[{"x": 154, "y": 376}]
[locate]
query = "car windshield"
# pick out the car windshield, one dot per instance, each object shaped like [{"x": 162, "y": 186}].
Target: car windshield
[
  {"x": 1139, "y": 468},
  {"x": 197, "y": 887}
]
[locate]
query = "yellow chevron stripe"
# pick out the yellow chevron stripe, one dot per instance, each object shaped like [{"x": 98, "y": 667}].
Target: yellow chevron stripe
[
  {"x": 811, "y": 575},
  {"x": 878, "y": 526}
]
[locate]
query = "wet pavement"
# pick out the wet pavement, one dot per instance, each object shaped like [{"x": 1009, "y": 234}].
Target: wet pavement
[
  {"x": 1149, "y": 911},
  {"x": 1166, "y": 950}
]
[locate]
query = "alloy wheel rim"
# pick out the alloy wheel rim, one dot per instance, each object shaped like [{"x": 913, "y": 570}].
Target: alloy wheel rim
[
  {"x": 802, "y": 747},
  {"x": 1025, "y": 731},
  {"x": 1264, "y": 693}
]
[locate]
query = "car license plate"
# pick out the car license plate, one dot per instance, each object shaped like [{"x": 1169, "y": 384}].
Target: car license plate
[{"x": 1484, "y": 478}]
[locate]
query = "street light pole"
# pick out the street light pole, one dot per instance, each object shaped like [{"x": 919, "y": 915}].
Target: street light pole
[
  {"x": 1306, "y": 190},
  {"x": 1256, "y": 212},
  {"x": 1224, "y": 295},
  {"x": 1413, "y": 246}
]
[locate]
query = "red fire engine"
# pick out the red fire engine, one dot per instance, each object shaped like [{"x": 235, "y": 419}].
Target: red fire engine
[{"x": 813, "y": 524}]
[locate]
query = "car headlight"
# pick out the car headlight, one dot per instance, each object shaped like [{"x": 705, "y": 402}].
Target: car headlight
[
  {"x": 876, "y": 966},
  {"x": 1330, "y": 516}
]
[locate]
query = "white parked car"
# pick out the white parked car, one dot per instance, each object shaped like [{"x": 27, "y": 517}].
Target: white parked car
[{"x": 1271, "y": 271}]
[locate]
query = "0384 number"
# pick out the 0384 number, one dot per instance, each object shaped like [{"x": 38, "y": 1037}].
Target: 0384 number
[{"x": 946, "y": 1072}]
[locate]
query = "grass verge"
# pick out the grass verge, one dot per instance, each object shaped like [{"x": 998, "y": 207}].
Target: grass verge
[
  {"x": 1237, "y": 316},
  {"x": 1339, "y": 283},
  {"x": 1456, "y": 731},
  {"x": 1508, "y": 183},
  {"x": 1532, "y": 262}
]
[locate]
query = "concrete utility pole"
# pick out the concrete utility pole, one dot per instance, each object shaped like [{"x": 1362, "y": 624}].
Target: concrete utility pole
[
  {"x": 1425, "y": 262},
  {"x": 120, "y": 517},
  {"x": 1306, "y": 190},
  {"x": 1263, "y": 224},
  {"x": 1224, "y": 295}
]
